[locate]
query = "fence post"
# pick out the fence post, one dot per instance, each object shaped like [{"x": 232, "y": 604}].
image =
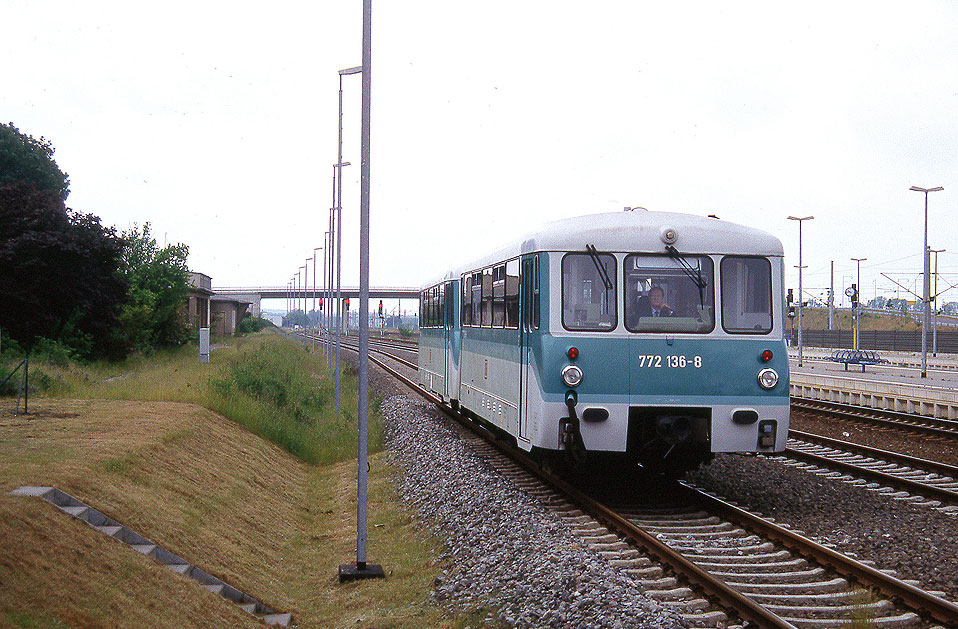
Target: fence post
[{"x": 24, "y": 391}]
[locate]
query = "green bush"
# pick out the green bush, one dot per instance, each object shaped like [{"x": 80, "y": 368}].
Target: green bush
[
  {"x": 53, "y": 352},
  {"x": 274, "y": 388},
  {"x": 274, "y": 379},
  {"x": 250, "y": 325}
]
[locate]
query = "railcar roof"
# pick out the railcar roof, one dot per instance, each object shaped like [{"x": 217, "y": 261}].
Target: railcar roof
[{"x": 638, "y": 231}]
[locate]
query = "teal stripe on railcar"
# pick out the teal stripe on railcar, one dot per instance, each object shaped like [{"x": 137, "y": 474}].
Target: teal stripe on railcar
[{"x": 615, "y": 367}]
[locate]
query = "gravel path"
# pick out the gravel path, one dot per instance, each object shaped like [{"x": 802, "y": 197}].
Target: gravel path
[{"x": 504, "y": 551}]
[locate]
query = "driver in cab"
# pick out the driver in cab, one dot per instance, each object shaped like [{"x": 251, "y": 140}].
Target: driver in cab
[{"x": 652, "y": 305}]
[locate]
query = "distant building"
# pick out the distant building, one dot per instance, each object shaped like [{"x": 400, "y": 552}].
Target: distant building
[
  {"x": 227, "y": 314},
  {"x": 204, "y": 306},
  {"x": 198, "y": 302}
]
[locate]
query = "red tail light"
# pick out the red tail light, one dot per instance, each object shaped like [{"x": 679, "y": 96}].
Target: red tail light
[
  {"x": 573, "y": 353},
  {"x": 766, "y": 356}
]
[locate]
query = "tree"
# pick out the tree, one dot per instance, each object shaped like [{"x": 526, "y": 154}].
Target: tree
[
  {"x": 159, "y": 280},
  {"x": 59, "y": 277},
  {"x": 24, "y": 159},
  {"x": 296, "y": 317}
]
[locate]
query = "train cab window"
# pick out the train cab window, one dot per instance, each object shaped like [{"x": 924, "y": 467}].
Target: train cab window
[
  {"x": 746, "y": 295},
  {"x": 589, "y": 292},
  {"x": 665, "y": 294}
]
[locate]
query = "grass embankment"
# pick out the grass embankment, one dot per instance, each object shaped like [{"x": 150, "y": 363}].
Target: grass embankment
[
  {"x": 240, "y": 507},
  {"x": 817, "y": 319}
]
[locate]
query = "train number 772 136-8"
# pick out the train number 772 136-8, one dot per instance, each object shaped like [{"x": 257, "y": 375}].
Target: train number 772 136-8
[{"x": 654, "y": 361}]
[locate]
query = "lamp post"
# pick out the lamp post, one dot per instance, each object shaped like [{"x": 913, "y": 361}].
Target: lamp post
[
  {"x": 299, "y": 284},
  {"x": 318, "y": 317},
  {"x": 328, "y": 303},
  {"x": 339, "y": 219},
  {"x": 926, "y": 285},
  {"x": 306, "y": 294},
  {"x": 361, "y": 570},
  {"x": 858, "y": 300},
  {"x": 800, "y": 267},
  {"x": 292, "y": 291},
  {"x": 934, "y": 342}
]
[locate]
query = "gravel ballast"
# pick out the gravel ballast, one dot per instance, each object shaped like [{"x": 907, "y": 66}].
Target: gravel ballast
[{"x": 504, "y": 551}]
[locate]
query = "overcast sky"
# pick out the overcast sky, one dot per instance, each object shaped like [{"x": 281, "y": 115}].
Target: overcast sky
[{"x": 216, "y": 123}]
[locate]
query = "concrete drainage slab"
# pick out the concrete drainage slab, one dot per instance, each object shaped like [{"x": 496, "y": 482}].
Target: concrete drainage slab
[{"x": 67, "y": 503}]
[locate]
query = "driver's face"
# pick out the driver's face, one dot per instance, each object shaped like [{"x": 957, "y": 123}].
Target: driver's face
[{"x": 656, "y": 298}]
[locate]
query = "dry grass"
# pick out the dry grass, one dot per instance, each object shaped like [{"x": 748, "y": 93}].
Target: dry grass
[{"x": 228, "y": 501}]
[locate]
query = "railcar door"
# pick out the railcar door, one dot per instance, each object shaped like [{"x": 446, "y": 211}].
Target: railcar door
[
  {"x": 447, "y": 310},
  {"x": 528, "y": 323}
]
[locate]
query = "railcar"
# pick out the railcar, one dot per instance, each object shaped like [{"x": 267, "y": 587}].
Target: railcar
[{"x": 652, "y": 338}]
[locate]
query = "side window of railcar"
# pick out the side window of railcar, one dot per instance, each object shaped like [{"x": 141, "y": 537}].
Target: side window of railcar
[
  {"x": 499, "y": 296},
  {"x": 448, "y": 307},
  {"x": 535, "y": 294},
  {"x": 477, "y": 299},
  {"x": 427, "y": 308},
  {"x": 466, "y": 300},
  {"x": 512, "y": 294},
  {"x": 431, "y": 301},
  {"x": 487, "y": 298},
  {"x": 663, "y": 294},
  {"x": 746, "y": 295},
  {"x": 588, "y": 292}
]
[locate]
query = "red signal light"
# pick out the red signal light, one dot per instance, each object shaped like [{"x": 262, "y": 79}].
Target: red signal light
[
  {"x": 573, "y": 353},
  {"x": 766, "y": 356}
]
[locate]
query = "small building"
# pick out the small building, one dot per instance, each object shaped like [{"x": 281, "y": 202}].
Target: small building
[
  {"x": 227, "y": 314},
  {"x": 198, "y": 302}
]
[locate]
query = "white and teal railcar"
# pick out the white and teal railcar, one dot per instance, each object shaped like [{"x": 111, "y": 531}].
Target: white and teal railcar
[{"x": 651, "y": 337}]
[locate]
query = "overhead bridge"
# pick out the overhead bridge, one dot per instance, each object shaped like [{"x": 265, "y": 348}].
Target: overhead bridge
[{"x": 254, "y": 294}]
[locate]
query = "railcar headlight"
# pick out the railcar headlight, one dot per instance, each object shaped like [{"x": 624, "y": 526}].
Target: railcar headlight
[
  {"x": 572, "y": 376},
  {"x": 767, "y": 378}
]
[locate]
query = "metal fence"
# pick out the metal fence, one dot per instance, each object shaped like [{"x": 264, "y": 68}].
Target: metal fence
[{"x": 888, "y": 340}]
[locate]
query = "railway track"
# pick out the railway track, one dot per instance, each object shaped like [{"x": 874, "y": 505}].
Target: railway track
[
  {"x": 936, "y": 482},
  {"x": 931, "y": 426},
  {"x": 715, "y": 561}
]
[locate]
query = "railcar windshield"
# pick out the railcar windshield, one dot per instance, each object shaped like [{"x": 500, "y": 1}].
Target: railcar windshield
[
  {"x": 669, "y": 294},
  {"x": 746, "y": 295},
  {"x": 589, "y": 291}
]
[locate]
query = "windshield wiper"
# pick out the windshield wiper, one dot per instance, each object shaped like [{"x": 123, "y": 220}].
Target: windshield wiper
[
  {"x": 693, "y": 273},
  {"x": 599, "y": 267}
]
